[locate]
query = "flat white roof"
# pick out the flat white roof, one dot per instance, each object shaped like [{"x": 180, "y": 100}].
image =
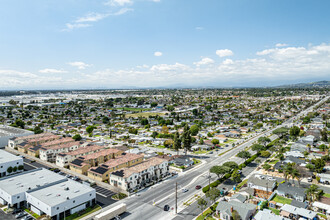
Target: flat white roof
[
  {"x": 7, "y": 157},
  {"x": 28, "y": 180},
  {"x": 58, "y": 193}
]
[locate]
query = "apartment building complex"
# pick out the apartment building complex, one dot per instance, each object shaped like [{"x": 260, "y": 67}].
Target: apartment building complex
[
  {"x": 63, "y": 159},
  {"x": 140, "y": 175}
]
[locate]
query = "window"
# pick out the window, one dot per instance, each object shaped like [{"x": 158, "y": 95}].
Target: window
[{"x": 90, "y": 194}]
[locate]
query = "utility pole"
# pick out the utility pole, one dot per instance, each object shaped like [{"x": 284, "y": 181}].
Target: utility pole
[{"x": 176, "y": 197}]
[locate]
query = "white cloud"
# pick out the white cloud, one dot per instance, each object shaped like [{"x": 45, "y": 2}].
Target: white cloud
[
  {"x": 199, "y": 28},
  {"x": 72, "y": 26},
  {"x": 122, "y": 11},
  {"x": 224, "y": 53},
  {"x": 204, "y": 61},
  {"x": 79, "y": 65},
  {"x": 92, "y": 17},
  {"x": 52, "y": 71},
  {"x": 119, "y": 2},
  {"x": 228, "y": 62},
  {"x": 158, "y": 54},
  {"x": 269, "y": 66},
  {"x": 169, "y": 67},
  {"x": 281, "y": 45}
]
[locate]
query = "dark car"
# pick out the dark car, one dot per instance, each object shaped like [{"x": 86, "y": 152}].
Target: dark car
[
  {"x": 21, "y": 214},
  {"x": 56, "y": 170},
  {"x": 16, "y": 211},
  {"x": 166, "y": 207},
  {"x": 61, "y": 173},
  {"x": 198, "y": 187}
]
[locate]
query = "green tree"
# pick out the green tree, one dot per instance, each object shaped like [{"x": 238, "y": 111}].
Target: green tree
[
  {"x": 231, "y": 164},
  {"x": 257, "y": 147},
  {"x": 266, "y": 166},
  {"x": 37, "y": 130},
  {"x": 213, "y": 194},
  {"x": 20, "y": 167},
  {"x": 14, "y": 169},
  {"x": 265, "y": 153},
  {"x": 77, "y": 137},
  {"x": 235, "y": 215},
  {"x": 310, "y": 166},
  {"x": 154, "y": 134},
  {"x": 90, "y": 129},
  {"x": 202, "y": 204},
  {"x": 177, "y": 142},
  {"x": 318, "y": 164},
  {"x": 144, "y": 121},
  {"x": 186, "y": 139},
  {"x": 9, "y": 169},
  {"x": 244, "y": 154},
  {"x": 236, "y": 176},
  {"x": 281, "y": 131},
  {"x": 294, "y": 131},
  {"x": 313, "y": 193},
  {"x": 264, "y": 140},
  {"x": 219, "y": 170},
  {"x": 215, "y": 141},
  {"x": 194, "y": 130},
  {"x": 153, "y": 104}
]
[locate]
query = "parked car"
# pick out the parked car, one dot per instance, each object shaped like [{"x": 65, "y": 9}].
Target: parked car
[
  {"x": 16, "y": 211},
  {"x": 166, "y": 207},
  {"x": 56, "y": 170},
  {"x": 20, "y": 215},
  {"x": 61, "y": 173},
  {"x": 309, "y": 179},
  {"x": 198, "y": 187},
  {"x": 27, "y": 217}
]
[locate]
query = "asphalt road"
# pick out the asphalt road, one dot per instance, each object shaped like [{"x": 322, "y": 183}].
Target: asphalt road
[{"x": 149, "y": 204}]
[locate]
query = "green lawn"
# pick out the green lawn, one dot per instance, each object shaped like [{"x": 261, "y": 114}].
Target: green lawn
[
  {"x": 201, "y": 217},
  {"x": 326, "y": 195},
  {"x": 275, "y": 211},
  {"x": 241, "y": 184},
  {"x": 282, "y": 200},
  {"x": 200, "y": 152},
  {"x": 87, "y": 211},
  {"x": 273, "y": 161},
  {"x": 144, "y": 114}
]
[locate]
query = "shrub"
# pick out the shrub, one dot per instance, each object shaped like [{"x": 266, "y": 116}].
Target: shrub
[
  {"x": 205, "y": 189},
  {"x": 10, "y": 169},
  {"x": 14, "y": 169},
  {"x": 20, "y": 167}
]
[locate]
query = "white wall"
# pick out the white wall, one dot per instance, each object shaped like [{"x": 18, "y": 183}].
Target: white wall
[{"x": 14, "y": 163}]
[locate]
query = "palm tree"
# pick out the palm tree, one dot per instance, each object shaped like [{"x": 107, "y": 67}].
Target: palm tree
[
  {"x": 312, "y": 193},
  {"x": 296, "y": 175}
]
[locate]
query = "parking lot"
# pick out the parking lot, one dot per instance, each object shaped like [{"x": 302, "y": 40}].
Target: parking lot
[
  {"x": 11, "y": 216},
  {"x": 103, "y": 192}
]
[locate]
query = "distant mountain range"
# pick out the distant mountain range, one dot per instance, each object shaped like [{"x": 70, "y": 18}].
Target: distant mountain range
[{"x": 319, "y": 84}]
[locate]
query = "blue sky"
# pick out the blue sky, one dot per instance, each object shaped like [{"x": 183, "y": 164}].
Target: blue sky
[{"x": 149, "y": 43}]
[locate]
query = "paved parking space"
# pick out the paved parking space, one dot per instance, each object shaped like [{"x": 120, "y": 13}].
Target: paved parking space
[
  {"x": 104, "y": 192},
  {"x": 4, "y": 216}
]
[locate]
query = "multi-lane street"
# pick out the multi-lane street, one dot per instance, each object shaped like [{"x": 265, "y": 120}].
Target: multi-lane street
[{"x": 149, "y": 203}]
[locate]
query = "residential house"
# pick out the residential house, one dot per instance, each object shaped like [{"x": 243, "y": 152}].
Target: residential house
[
  {"x": 244, "y": 210},
  {"x": 263, "y": 185},
  {"x": 292, "y": 192},
  {"x": 293, "y": 212}
]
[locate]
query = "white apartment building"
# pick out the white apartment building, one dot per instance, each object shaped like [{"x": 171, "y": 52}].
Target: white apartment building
[
  {"x": 138, "y": 176},
  {"x": 9, "y": 160},
  {"x": 61, "y": 199},
  {"x": 63, "y": 159},
  {"x": 49, "y": 153}
]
